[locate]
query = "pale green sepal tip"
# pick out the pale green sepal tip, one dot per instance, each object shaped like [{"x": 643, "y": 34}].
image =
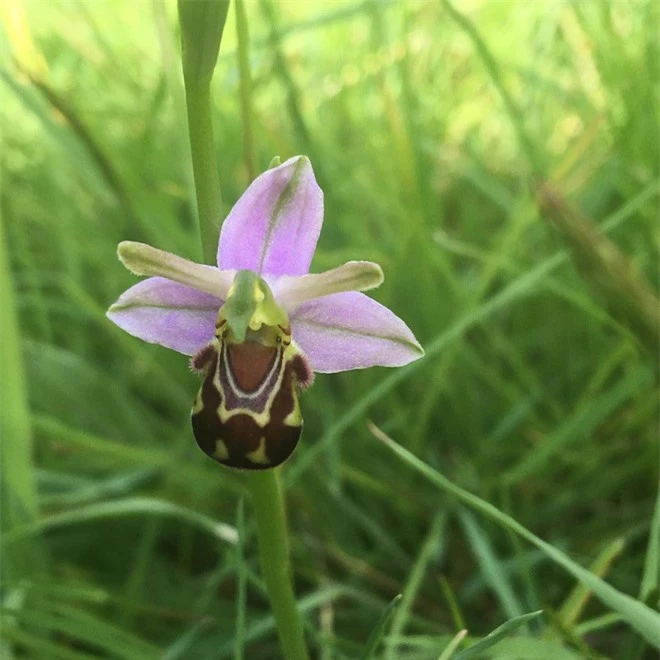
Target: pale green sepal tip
[
  {"x": 276, "y": 162},
  {"x": 251, "y": 304}
]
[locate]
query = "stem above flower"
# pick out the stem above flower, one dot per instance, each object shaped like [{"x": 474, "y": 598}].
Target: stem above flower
[{"x": 202, "y": 23}]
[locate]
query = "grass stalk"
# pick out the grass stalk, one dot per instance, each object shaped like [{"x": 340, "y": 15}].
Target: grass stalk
[
  {"x": 18, "y": 483},
  {"x": 245, "y": 79}
]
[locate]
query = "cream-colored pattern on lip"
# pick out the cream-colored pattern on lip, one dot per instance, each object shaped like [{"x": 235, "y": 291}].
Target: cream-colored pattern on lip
[
  {"x": 198, "y": 404},
  {"x": 221, "y": 452},
  {"x": 259, "y": 454}
]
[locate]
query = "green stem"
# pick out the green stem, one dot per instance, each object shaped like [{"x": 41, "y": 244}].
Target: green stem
[
  {"x": 245, "y": 86},
  {"x": 267, "y": 498},
  {"x": 268, "y": 504},
  {"x": 199, "y": 54},
  {"x": 205, "y": 169}
]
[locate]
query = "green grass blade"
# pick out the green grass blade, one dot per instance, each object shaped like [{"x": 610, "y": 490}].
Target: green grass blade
[
  {"x": 651, "y": 577},
  {"x": 491, "y": 567},
  {"x": 241, "y": 591},
  {"x": 41, "y": 648},
  {"x": 88, "y": 628},
  {"x": 452, "y": 646},
  {"x": 497, "y": 635},
  {"x": 572, "y": 608},
  {"x": 379, "y": 629},
  {"x": 18, "y": 479},
  {"x": 639, "y": 616},
  {"x": 126, "y": 507},
  {"x": 429, "y": 551},
  {"x": 452, "y": 603},
  {"x": 262, "y": 627},
  {"x": 581, "y": 424},
  {"x": 532, "y": 649}
]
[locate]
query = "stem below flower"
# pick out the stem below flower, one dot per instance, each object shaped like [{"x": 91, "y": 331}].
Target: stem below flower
[{"x": 268, "y": 505}]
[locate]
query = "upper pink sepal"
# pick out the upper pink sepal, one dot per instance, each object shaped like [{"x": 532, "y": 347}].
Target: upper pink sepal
[{"x": 275, "y": 225}]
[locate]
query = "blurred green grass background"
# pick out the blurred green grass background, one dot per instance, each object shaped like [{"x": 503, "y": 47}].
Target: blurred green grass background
[{"x": 430, "y": 132}]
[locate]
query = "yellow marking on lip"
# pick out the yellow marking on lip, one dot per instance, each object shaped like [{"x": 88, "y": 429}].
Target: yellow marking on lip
[
  {"x": 198, "y": 403},
  {"x": 259, "y": 454},
  {"x": 293, "y": 418},
  {"x": 221, "y": 452}
]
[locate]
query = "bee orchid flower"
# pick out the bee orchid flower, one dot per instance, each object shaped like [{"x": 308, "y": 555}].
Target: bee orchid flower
[{"x": 259, "y": 325}]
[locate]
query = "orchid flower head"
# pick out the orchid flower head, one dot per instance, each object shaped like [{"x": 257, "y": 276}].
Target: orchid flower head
[{"x": 262, "y": 313}]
